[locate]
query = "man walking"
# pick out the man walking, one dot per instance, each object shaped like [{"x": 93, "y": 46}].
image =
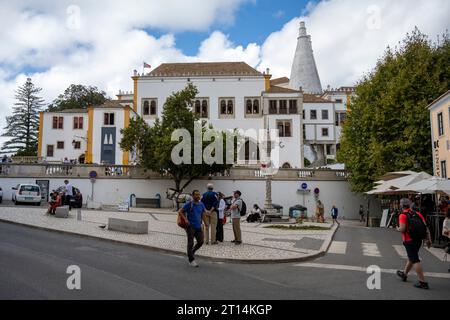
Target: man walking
[
  {"x": 195, "y": 212},
  {"x": 334, "y": 215},
  {"x": 68, "y": 194},
  {"x": 414, "y": 231},
  {"x": 211, "y": 201},
  {"x": 236, "y": 207},
  {"x": 361, "y": 213}
]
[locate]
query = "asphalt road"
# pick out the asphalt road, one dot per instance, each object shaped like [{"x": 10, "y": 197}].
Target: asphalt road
[{"x": 33, "y": 265}]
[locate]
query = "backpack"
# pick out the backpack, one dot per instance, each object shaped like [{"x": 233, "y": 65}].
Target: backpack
[
  {"x": 243, "y": 209},
  {"x": 416, "y": 228},
  {"x": 182, "y": 220}
]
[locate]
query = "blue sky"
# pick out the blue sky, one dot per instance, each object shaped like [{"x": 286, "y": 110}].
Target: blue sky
[{"x": 253, "y": 22}]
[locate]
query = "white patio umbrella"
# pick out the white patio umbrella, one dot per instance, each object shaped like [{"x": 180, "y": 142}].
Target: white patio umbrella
[
  {"x": 429, "y": 186},
  {"x": 398, "y": 185}
]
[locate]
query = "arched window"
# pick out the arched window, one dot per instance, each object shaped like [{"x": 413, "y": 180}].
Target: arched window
[
  {"x": 146, "y": 110},
  {"x": 230, "y": 107},
  {"x": 204, "y": 109},
  {"x": 197, "y": 108},
  {"x": 153, "y": 107},
  {"x": 248, "y": 106},
  {"x": 255, "y": 106},
  {"x": 223, "y": 107},
  {"x": 286, "y": 165}
]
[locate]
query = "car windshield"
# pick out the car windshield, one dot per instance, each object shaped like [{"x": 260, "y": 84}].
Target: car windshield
[{"x": 29, "y": 188}]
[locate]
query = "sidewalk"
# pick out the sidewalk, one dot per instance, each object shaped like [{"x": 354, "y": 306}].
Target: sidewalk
[{"x": 260, "y": 244}]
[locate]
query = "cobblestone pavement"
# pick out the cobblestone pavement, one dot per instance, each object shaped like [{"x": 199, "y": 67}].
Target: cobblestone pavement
[{"x": 259, "y": 243}]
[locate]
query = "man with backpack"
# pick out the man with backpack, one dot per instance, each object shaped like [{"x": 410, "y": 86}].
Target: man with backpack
[
  {"x": 414, "y": 231},
  {"x": 195, "y": 212},
  {"x": 237, "y": 207}
]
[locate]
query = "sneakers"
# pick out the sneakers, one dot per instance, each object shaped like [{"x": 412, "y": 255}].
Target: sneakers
[
  {"x": 421, "y": 285},
  {"x": 237, "y": 242},
  {"x": 193, "y": 264},
  {"x": 402, "y": 275}
]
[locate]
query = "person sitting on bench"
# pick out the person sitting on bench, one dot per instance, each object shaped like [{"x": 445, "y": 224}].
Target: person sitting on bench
[
  {"x": 55, "y": 202},
  {"x": 255, "y": 214}
]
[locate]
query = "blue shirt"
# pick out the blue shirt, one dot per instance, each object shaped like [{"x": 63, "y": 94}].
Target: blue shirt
[
  {"x": 210, "y": 200},
  {"x": 194, "y": 216},
  {"x": 334, "y": 212}
]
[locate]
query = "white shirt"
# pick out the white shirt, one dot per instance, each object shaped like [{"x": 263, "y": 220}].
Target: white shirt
[
  {"x": 222, "y": 206},
  {"x": 69, "y": 189}
]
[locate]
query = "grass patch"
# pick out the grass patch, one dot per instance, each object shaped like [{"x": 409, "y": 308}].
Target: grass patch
[{"x": 297, "y": 227}]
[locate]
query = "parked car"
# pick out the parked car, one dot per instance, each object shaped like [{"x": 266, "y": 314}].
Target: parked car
[
  {"x": 76, "y": 201},
  {"x": 1, "y": 195},
  {"x": 27, "y": 193}
]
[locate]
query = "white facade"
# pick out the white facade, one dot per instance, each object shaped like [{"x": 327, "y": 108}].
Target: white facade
[
  {"x": 66, "y": 140},
  {"x": 234, "y": 89}
]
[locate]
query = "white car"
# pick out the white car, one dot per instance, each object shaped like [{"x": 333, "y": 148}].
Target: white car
[{"x": 27, "y": 193}]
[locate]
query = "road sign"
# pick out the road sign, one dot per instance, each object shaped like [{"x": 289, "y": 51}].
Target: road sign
[
  {"x": 304, "y": 186},
  {"x": 93, "y": 174}
]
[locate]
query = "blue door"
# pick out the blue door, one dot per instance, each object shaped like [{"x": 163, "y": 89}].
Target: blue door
[{"x": 108, "y": 151}]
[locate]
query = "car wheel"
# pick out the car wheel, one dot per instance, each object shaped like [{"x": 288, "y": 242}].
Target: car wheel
[
  {"x": 1, "y": 199},
  {"x": 38, "y": 204},
  {"x": 16, "y": 202}
]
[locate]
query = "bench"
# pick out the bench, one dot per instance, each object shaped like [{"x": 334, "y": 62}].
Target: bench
[
  {"x": 128, "y": 225},
  {"x": 62, "y": 212},
  {"x": 148, "y": 202}
]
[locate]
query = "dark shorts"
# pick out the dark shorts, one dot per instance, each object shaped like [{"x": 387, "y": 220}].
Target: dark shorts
[{"x": 412, "y": 250}]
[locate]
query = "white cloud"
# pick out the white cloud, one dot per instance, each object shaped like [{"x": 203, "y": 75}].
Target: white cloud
[
  {"x": 106, "y": 41},
  {"x": 349, "y": 36},
  {"x": 219, "y": 48}
]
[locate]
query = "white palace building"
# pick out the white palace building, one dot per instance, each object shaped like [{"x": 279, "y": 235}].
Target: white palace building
[{"x": 230, "y": 95}]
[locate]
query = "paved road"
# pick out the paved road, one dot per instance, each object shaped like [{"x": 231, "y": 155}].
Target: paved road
[{"x": 33, "y": 265}]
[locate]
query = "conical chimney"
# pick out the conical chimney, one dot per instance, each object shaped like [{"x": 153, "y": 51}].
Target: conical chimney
[{"x": 304, "y": 71}]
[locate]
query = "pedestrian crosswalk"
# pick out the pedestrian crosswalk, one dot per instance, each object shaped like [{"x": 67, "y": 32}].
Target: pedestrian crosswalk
[
  {"x": 371, "y": 249},
  {"x": 338, "y": 247}
]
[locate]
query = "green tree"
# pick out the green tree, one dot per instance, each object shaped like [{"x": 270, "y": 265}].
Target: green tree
[
  {"x": 154, "y": 146},
  {"x": 78, "y": 96},
  {"x": 388, "y": 126},
  {"x": 23, "y": 125}
]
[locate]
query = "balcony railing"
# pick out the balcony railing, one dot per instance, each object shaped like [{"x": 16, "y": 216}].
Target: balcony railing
[{"x": 13, "y": 170}]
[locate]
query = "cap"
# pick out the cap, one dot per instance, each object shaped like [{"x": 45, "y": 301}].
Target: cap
[{"x": 405, "y": 203}]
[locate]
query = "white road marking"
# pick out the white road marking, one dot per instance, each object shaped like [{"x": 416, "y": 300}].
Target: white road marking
[
  {"x": 363, "y": 269},
  {"x": 338, "y": 247},
  {"x": 370, "y": 249},
  {"x": 438, "y": 253},
  {"x": 400, "y": 249}
]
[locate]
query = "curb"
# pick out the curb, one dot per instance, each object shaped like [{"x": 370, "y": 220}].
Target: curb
[{"x": 311, "y": 256}]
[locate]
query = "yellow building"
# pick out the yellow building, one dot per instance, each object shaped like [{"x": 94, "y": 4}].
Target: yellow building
[{"x": 440, "y": 134}]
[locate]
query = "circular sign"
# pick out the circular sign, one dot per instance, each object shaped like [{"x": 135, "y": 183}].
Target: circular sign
[
  {"x": 93, "y": 174},
  {"x": 316, "y": 190},
  {"x": 304, "y": 186}
]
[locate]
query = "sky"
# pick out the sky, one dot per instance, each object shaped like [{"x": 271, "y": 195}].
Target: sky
[{"x": 100, "y": 43}]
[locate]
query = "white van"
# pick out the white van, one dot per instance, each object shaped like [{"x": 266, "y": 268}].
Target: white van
[{"x": 27, "y": 193}]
